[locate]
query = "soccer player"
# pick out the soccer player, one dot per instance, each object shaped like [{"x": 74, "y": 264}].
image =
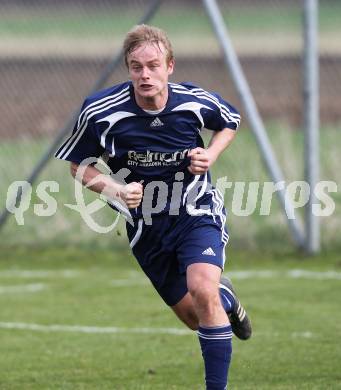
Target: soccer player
[{"x": 175, "y": 217}]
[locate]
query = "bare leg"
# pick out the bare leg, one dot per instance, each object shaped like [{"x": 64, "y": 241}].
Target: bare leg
[
  {"x": 201, "y": 309},
  {"x": 199, "y": 284},
  {"x": 203, "y": 286},
  {"x": 186, "y": 313}
]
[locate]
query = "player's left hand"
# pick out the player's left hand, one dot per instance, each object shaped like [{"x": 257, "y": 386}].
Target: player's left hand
[{"x": 201, "y": 161}]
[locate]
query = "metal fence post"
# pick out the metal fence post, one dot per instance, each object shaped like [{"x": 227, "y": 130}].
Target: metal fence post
[
  {"x": 255, "y": 120},
  {"x": 311, "y": 120}
]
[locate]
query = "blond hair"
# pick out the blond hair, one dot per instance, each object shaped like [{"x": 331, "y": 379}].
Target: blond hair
[{"x": 143, "y": 33}]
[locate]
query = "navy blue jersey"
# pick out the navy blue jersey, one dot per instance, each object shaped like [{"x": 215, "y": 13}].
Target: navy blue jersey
[{"x": 153, "y": 146}]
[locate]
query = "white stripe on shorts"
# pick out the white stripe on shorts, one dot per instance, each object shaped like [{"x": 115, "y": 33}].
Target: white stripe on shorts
[{"x": 138, "y": 233}]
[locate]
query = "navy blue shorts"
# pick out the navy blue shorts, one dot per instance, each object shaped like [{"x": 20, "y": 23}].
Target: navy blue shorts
[{"x": 166, "y": 248}]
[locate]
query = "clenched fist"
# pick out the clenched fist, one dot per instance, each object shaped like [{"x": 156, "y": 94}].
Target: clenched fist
[
  {"x": 131, "y": 194},
  {"x": 200, "y": 161}
]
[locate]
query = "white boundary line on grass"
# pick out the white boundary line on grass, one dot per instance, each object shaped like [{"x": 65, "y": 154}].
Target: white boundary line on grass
[
  {"x": 291, "y": 274},
  {"x": 247, "y": 274},
  {"x": 17, "y": 273},
  {"x": 22, "y": 288},
  {"x": 138, "y": 279},
  {"x": 93, "y": 329},
  {"x": 142, "y": 281},
  {"x": 116, "y": 330}
]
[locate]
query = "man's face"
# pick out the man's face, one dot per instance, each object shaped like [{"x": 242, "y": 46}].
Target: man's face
[{"x": 149, "y": 70}]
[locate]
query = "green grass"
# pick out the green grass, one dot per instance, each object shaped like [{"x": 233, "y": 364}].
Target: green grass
[
  {"x": 296, "y": 325},
  {"x": 112, "y": 21}
]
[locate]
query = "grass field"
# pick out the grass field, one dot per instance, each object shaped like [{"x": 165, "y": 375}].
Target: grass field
[
  {"x": 272, "y": 29},
  {"x": 86, "y": 318},
  {"x": 70, "y": 21}
]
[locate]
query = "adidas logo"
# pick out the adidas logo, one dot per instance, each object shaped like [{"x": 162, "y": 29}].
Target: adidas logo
[
  {"x": 209, "y": 252},
  {"x": 156, "y": 122}
]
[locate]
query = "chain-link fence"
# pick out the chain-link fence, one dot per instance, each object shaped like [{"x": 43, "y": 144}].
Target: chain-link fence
[{"x": 52, "y": 53}]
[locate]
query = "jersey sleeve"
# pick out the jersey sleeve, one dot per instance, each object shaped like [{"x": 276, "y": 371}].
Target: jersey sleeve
[
  {"x": 84, "y": 141},
  {"x": 221, "y": 114}
]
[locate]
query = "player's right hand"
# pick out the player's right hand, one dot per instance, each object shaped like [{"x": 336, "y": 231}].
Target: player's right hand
[{"x": 132, "y": 194}]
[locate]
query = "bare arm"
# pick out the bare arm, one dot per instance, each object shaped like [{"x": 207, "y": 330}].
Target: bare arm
[
  {"x": 203, "y": 159},
  {"x": 91, "y": 177}
]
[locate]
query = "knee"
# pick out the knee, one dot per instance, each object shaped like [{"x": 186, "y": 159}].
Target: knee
[
  {"x": 203, "y": 286},
  {"x": 205, "y": 296}
]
